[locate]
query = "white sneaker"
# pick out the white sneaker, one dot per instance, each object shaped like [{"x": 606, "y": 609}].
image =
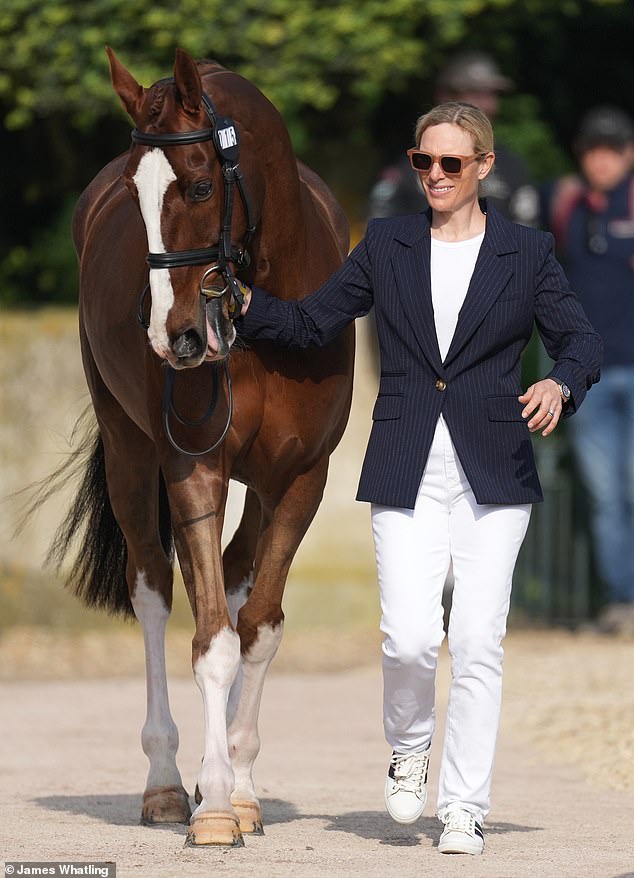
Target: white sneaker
[
  {"x": 406, "y": 786},
  {"x": 462, "y": 834}
]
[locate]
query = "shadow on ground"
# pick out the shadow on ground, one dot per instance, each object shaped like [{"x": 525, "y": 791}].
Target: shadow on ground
[
  {"x": 115, "y": 810},
  {"x": 125, "y": 809},
  {"x": 378, "y": 826}
]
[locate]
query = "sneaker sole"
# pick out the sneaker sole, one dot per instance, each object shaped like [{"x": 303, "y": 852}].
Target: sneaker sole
[
  {"x": 405, "y": 821},
  {"x": 458, "y": 847}
]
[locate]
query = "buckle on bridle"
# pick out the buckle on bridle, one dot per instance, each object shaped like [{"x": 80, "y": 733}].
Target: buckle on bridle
[{"x": 238, "y": 295}]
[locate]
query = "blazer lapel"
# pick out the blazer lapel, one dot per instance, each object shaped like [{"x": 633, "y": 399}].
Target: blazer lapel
[
  {"x": 412, "y": 269},
  {"x": 491, "y": 274}
]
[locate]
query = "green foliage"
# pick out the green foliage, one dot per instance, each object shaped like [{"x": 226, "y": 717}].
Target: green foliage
[
  {"x": 521, "y": 127},
  {"x": 54, "y": 58},
  {"x": 349, "y": 79},
  {"x": 44, "y": 271},
  {"x": 302, "y": 53}
]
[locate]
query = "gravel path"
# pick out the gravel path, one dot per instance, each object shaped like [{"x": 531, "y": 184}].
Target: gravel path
[{"x": 72, "y": 772}]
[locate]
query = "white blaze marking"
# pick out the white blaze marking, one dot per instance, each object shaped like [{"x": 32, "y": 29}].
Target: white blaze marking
[
  {"x": 152, "y": 178},
  {"x": 214, "y": 673},
  {"x": 159, "y": 737}
]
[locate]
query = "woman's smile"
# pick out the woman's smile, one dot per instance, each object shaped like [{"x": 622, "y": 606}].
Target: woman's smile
[{"x": 439, "y": 189}]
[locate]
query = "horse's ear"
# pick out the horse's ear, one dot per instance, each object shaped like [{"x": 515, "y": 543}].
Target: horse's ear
[
  {"x": 188, "y": 82},
  {"x": 130, "y": 92}
]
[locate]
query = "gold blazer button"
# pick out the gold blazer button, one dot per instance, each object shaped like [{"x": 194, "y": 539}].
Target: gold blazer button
[{"x": 440, "y": 384}]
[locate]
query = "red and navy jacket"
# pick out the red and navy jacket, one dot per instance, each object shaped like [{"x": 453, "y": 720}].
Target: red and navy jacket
[{"x": 594, "y": 235}]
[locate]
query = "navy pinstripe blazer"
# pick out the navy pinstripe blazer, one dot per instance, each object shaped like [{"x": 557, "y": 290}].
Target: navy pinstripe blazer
[{"x": 516, "y": 284}]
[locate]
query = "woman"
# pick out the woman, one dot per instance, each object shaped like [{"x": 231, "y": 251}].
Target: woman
[{"x": 449, "y": 468}]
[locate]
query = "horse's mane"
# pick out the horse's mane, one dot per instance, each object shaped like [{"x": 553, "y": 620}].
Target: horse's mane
[{"x": 209, "y": 63}]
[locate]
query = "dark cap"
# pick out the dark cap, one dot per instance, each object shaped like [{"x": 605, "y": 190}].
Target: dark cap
[
  {"x": 604, "y": 126},
  {"x": 473, "y": 71}
]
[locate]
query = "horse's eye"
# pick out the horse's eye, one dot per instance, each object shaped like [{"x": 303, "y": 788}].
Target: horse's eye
[{"x": 200, "y": 190}]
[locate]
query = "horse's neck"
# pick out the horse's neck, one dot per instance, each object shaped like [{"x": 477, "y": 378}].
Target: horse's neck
[
  {"x": 299, "y": 243},
  {"x": 284, "y": 206},
  {"x": 285, "y": 224},
  {"x": 290, "y": 223}
]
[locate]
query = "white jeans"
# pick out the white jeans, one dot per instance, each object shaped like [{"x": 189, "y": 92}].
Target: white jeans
[{"x": 414, "y": 549}]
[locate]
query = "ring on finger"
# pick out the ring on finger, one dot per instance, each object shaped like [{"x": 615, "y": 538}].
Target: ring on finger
[{"x": 551, "y": 413}]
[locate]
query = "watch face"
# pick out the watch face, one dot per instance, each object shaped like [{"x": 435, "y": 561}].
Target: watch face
[{"x": 565, "y": 391}]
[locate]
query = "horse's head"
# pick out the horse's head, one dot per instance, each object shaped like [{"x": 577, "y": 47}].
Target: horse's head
[{"x": 183, "y": 172}]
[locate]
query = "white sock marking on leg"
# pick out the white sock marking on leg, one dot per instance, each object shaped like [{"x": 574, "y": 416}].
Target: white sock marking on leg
[
  {"x": 244, "y": 740},
  {"x": 159, "y": 737},
  {"x": 214, "y": 673},
  {"x": 236, "y": 600}
]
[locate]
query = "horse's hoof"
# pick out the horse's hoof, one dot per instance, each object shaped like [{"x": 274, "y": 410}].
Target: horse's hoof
[
  {"x": 213, "y": 827},
  {"x": 250, "y": 817},
  {"x": 165, "y": 805}
]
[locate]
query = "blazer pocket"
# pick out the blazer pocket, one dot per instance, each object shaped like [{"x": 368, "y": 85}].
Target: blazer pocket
[
  {"x": 387, "y": 408},
  {"x": 392, "y": 383},
  {"x": 504, "y": 408}
]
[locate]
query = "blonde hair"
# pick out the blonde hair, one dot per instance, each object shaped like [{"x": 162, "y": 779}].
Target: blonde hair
[{"x": 466, "y": 116}]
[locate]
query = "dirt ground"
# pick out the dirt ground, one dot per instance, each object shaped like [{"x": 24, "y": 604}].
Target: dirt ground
[
  {"x": 72, "y": 698},
  {"x": 72, "y": 770}
]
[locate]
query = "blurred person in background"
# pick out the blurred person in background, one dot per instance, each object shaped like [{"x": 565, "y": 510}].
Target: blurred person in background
[
  {"x": 475, "y": 78},
  {"x": 592, "y": 217}
]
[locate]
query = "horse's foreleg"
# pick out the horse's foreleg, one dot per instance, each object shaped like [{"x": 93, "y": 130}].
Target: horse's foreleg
[
  {"x": 244, "y": 739},
  {"x": 260, "y": 625},
  {"x": 214, "y": 821},
  {"x": 197, "y": 505}
]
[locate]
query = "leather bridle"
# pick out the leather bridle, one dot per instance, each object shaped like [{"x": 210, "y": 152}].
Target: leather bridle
[{"x": 221, "y": 257}]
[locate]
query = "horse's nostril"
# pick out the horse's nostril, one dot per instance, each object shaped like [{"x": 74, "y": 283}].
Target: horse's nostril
[{"x": 189, "y": 344}]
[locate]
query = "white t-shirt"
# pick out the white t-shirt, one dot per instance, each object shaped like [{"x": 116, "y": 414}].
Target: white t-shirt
[{"x": 452, "y": 264}]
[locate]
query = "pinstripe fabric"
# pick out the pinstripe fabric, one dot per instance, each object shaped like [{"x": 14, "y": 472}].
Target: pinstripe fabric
[{"x": 516, "y": 284}]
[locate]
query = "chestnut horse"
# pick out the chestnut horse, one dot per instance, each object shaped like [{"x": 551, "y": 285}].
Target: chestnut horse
[{"x": 158, "y": 472}]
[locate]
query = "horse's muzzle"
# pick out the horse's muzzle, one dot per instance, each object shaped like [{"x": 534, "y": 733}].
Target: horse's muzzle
[
  {"x": 210, "y": 338},
  {"x": 189, "y": 346}
]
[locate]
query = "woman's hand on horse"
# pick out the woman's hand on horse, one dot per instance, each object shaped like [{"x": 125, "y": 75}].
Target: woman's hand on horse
[{"x": 542, "y": 404}]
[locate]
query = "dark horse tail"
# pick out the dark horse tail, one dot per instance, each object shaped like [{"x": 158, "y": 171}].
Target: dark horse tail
[{"x": 98, "y": 575}]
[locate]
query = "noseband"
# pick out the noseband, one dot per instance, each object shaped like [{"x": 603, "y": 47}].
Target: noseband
[{"x": 224, "y": 135}]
